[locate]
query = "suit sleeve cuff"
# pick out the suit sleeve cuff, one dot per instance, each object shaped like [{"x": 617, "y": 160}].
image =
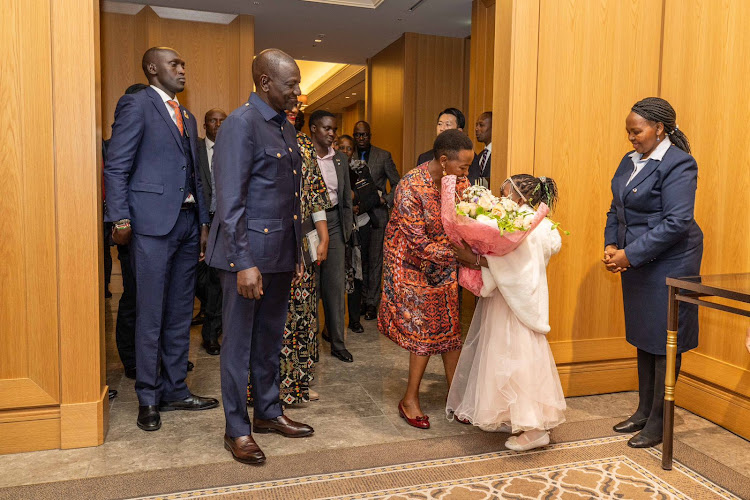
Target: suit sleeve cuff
[{"x": 237, "y": 263}]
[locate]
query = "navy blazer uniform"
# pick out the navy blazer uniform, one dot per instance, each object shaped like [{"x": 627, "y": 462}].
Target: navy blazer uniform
[
  {"x": 257, "y": 172},
  {"x": 149, "y": 172},
  {"x": 652, "y": 219}
]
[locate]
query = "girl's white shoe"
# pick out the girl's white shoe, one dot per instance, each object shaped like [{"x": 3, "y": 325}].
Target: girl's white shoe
[{"x": 527, "y": 441}]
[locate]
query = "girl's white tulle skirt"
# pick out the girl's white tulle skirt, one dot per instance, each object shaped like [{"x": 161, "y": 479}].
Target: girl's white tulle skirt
[{"x": 506, "y": 374}]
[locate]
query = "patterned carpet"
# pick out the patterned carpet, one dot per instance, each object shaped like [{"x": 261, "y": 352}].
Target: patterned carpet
[
  {"x": 584, "y": 461},
  {"x": 596, "y": 468}
]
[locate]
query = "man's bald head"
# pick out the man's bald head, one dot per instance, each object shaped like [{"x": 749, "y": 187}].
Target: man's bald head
[
  {"x": 277, "y": 79},
  {"x": 270, "y": 62}
]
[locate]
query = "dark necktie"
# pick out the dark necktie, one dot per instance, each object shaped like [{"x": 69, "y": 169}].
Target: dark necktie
[{"x": 483, "y": 161}]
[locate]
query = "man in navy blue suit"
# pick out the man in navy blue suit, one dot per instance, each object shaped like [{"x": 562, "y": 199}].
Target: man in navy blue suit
[
  {"x": 155, "y": 198},
  {"x": 255, "y": 242}
]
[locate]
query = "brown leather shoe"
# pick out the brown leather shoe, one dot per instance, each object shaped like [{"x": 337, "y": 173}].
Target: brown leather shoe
[
  {"x": 244, "y": 449},
  {"x": 282, "y": 425}
]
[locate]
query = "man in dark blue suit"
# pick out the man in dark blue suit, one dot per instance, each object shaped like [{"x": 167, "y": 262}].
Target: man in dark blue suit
[
  {"x": 155, "y": 198},
  {"x": 255, "y": 242}
]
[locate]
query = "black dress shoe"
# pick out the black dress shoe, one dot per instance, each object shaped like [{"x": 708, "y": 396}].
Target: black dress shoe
[
  {"x": 343, "y": 355},
  {"x": 190, "y": 366},
  {"x": 356, "y": 327},
  {"x": 371, "y": 314},
  {"x": 641, "y": 441},
  {"x": 627, "y": 426},
  {"x": 212, "y": 347},
  {"x": 190, "y": 403},
  {"x": 130, "y": 373},
  {"x": 198, "y": 319},
  {"x": 148, "y": 418},
  {"x": 112, "y": 394}
]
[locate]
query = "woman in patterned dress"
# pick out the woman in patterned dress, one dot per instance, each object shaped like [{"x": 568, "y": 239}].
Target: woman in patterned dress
[
  {"x": 419, "y": 309},
  {"x": 299, "y": 350}
]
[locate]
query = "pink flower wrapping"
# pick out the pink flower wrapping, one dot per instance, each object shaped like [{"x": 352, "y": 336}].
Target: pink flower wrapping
[{"x": 483, "y": 239}]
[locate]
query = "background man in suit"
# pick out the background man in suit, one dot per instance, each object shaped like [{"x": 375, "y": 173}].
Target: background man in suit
[
  {"x": 334, "y": 166},
  {"x": 208, "y": 277},
  {"x": 256, "y": 242},
  {"x": 382, "y": 169},
  {"x": 479, "y": 172},
  {"x": 153, "y": 197},
  {"x": 448, "y": 119}
]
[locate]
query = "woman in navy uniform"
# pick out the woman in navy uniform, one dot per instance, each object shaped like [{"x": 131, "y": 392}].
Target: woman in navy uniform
[{"x": 651, "y": 233}]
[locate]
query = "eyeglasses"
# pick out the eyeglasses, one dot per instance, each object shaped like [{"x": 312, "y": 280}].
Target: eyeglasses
[{"x": 362, "y": 134}]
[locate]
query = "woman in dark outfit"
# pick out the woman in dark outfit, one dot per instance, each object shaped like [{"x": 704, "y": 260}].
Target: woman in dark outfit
[{"x": 651, "y": 233}]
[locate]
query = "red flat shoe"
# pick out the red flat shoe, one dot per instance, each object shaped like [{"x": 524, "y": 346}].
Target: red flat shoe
[
  {"x": 421, "y": 422},
  {"x": 464, "y": 421}
]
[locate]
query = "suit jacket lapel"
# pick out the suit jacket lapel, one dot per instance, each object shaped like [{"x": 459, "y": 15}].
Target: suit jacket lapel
[
  {"x": 162, "y": 109},
  {"x": 647, "y": 170},
  {"x": 340, "y": 174}
]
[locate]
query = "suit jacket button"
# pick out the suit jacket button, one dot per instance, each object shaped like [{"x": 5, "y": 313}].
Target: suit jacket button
[
  {"x": 278, "y": 155},
  {"x": 635, "y": 190},
  {"x": 184, "y": 167},
  {"x": 290, "y": 150},
  {"x": 181, "y": 190},
  {"x": 231, "y": 264},
  {"x": 265, "y": 230},
  {"x": 294, "y": 172},
  {"x": 296, "y": 195},
  {"x": 295, "y": 217}
]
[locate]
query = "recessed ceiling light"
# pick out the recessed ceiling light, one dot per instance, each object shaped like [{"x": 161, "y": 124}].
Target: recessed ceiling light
[
  {"x": 318, "y": 40},
  {"x": 354, "y": 93},
  {"x": 347, "y": 97},
  {"x": 256, "y": 3}
]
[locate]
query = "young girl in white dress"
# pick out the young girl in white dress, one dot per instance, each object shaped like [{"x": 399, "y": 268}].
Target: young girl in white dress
[{"x": 506, "y": 379}]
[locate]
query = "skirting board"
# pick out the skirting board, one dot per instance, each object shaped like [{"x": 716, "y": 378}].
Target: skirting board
[
  {"x": 600, "y": 377},
  {"x": 716, "y": 404}
]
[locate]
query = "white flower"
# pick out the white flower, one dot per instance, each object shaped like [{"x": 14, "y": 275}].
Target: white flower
[
  {"x": 508, "y": 204},
  {"x": 486, "y": 202},
  {"x": 523, "y": 220},
  {"x": 468, "y": 208},
  {"x": 487, "y": 221},
  {"x": 499, "y": 211}
]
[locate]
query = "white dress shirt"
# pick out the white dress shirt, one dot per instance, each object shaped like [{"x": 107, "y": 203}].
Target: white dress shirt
[
  {"x": 657, "y": 154},
  {"x": 165, "y": 98},
  {"x": 488, "y": 147}
]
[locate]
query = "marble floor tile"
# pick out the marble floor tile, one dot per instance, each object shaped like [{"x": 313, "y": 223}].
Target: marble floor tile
[{"x": 44, "y": 466}]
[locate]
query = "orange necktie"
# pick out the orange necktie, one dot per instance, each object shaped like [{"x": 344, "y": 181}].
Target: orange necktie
[{"x": 177, "y": 115}]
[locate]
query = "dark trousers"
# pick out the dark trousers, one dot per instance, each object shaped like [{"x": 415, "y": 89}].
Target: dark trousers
[
  {"x": 253, "y": 332},
  {"x": 652, "y": 369},
  {"x": 125, "y": 327},
  {"x": 375, "y": 259},
  {"x": 212, "y": 301},
  {"x": 165, "y": 290},
  {"x": 355, "y": 300},
  {"x": 333, "y": 282}
]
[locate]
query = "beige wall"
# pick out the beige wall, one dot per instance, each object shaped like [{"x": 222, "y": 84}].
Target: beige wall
[
  {"x": 409, "y": 83},
  {"x": 52, "y": 376},
  {"x": 574, "y": 69},
  {"x": 218, "y": 56},
  {"x": 482, "y": 64}
]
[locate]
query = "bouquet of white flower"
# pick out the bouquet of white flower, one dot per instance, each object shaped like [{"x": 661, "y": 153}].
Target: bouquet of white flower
[{"x": 488, "y": 224}]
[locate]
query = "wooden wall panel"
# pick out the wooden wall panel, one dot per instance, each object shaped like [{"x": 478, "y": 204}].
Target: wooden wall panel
[
  {"x": 705, "y": 77},
  {"x": 595, "y": 60},
  {"x": 351, "y": 115},
  {"x": 29, "y": 364},
  {"x": 386, "y": 99},
  {"x": 409, "y": 83},
  {"x": 436, "y": 80},
  {"x": 482, "y": 64},
  {"x": 218, "y": 56},
  {"x": 52, "y": 387}
]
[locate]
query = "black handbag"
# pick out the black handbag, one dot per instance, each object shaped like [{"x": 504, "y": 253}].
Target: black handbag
[{"x": 365, "y": 190}]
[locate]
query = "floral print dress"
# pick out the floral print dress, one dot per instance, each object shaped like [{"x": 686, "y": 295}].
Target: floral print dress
[{"x": 419, "y": 309}]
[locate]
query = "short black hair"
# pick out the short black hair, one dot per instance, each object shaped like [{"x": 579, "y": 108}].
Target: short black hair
[
  {"x": 318, "y": 115},
  {"x": 486, "y": 114},
  {"x": 135, "y": 88},
  {"x": 460, "y": 118},
  {"x": 450, "y": 142},
  {"x": 348, "y": 138}
]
